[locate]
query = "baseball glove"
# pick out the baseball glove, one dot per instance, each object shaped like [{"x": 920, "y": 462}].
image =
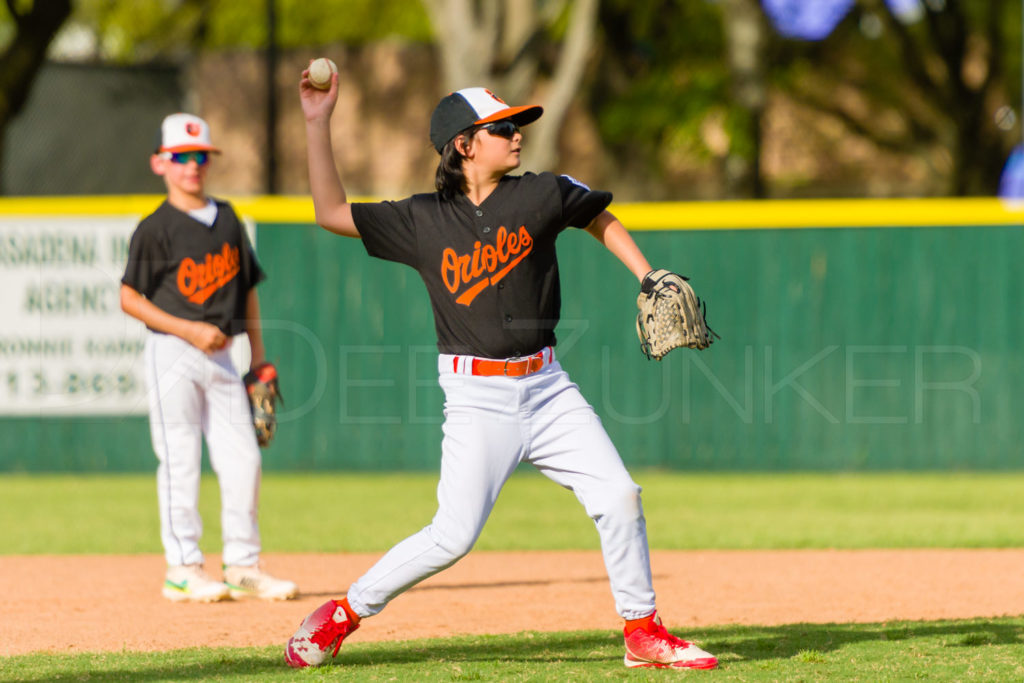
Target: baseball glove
[
  {"x": 670, "y": 315},
  {"x": 261, "y": 386}
]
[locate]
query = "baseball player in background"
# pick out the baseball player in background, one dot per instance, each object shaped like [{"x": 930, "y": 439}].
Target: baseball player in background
[
  {"x": 190, "y": 277},
  {"x": 484, "y": 245}
]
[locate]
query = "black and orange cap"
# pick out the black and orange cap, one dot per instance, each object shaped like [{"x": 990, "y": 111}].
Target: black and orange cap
[{"x": 469, "y": 107}]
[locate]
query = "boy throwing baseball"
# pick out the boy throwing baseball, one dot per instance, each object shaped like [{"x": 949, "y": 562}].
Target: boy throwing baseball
[
  {"x": 191, "y": 278},
  {"x": 484, "y": 245}
]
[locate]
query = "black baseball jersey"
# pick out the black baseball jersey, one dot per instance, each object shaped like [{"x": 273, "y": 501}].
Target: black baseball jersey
[
  {"x": 491, "y": 270},
  {"x": 192, "y": 270}
]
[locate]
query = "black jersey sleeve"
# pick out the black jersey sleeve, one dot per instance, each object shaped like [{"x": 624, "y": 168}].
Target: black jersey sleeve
[
  {"x": 148, "y": 258},
  {"x": 580, "y": 204},
  {"x": 387, "y": 229}
]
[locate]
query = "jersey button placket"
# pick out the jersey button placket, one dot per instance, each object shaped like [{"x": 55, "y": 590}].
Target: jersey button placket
[{"x": 480, "y": 214}]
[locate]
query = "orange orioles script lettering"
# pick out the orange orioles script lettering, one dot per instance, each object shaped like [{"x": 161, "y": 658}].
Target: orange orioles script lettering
[
  {"x": 198, "y": 281},
  {"x": 486, "y": 265}
]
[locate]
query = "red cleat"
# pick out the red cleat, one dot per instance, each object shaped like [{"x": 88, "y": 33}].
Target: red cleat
[
  {"x": 651, "y": 645},
  {"x": 320, "y": 632}
]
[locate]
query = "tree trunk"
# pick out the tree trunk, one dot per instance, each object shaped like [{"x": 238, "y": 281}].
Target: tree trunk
[
  {"x": 19, "y": 64},
  {"x": 517, "y": 58},
  {"x": 746, "y": 36},
  {"x": 497, "y": 45},
  {"x": 542, "y": 150},
  {"x": 467, "y": 34}
]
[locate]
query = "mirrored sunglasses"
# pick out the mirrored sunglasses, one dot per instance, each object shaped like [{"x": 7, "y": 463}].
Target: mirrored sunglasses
[
  {"x": 503, "y": 129},
  {"x": 199, "y": 157}
]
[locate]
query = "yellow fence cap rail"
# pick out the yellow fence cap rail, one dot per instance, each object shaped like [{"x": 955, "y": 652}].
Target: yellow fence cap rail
[
  {"x": 818, "y": 213},
  {"x": 710, "y": 215},
  {"x": 276, "y": 209}
]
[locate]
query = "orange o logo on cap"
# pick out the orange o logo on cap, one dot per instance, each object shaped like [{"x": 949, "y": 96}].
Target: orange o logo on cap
[
  {"x": 495, "y": 96},
  {"x": 192, "y": 128}
]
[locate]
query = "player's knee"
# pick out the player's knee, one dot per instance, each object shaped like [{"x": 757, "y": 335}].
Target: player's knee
[
  {"x": 620, "y": 500},
  {"x": 455, "y": 542},
  {"x": 460, "y": 545}
]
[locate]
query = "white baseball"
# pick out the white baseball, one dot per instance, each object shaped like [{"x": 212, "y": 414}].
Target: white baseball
[{"x": 320, "y": 72}]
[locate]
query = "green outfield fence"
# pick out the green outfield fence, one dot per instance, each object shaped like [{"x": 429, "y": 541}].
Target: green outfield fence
[{"x": 855, "y": 335}]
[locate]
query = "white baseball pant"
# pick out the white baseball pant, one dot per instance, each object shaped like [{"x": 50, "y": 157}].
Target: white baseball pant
[
  {"x": 491, "y": 425},
  {"x": 191, "y": 395}
]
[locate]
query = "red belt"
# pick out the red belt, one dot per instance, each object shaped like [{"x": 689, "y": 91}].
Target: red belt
[{"x": 507, "y": 367}]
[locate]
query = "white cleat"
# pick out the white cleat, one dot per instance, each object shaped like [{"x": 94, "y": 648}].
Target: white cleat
[
  {"x": 189, "y": 583},
  {"x": 253, "y": 582}
]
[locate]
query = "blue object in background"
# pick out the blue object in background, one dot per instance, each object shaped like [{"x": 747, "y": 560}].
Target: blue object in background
[
  {"x": 806, "y": 20},
  {"x": 816, "y": 19},
  {"x": 1011, "y": 184}
]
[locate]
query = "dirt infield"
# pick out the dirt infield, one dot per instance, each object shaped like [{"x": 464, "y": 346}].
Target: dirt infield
[{"x": 113, "y": 603}]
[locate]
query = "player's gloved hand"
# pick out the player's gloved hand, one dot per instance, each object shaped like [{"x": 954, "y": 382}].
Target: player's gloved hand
[
  {"x": 670, "y": 315},
  {"x": 261, "y": 386}
]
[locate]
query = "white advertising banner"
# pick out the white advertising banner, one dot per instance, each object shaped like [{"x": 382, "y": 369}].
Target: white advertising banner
[{"x": 66, "y": 348}]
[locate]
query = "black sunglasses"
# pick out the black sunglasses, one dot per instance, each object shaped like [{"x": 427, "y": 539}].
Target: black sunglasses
[{"x": 503, "y": 129}]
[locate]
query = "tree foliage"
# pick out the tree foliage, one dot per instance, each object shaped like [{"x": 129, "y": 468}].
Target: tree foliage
[
  {"x": 936, "y": 81},
  {"x": 130, "y": 31},
  {"x": 935, "y": 85},
  {"x": 660, "y": 76},
  {"x": 508, "y": 45}
]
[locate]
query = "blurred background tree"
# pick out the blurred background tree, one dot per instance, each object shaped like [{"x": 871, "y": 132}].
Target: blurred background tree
[
  {"x": 938, "y": 81},
  {"x": 928, "y": 88},
  {"x": 134, "y": 31},
  {"x": 657, "y": 99},
  {"x": 503, "y": 44},
  {"x": 661, "y": 91},
  {"x": 25, "y": 33}
]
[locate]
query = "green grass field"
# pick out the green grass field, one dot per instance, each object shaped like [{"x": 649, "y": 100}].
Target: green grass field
[
  {"x": 74, "y": 514},
  {"x": 307, "y": 513},
  {"x": 982, "y": 650}
]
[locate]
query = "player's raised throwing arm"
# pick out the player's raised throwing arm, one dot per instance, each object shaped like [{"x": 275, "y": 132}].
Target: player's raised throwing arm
[{"x": 333, "y": 212}]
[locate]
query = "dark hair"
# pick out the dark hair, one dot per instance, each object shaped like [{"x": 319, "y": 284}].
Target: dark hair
[{"x": 449, "y": 180}]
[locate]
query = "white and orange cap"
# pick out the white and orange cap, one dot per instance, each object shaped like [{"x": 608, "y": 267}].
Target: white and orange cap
[
  {"x": 469, "y": 107},
  {"x": 185, "y": 133}
]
